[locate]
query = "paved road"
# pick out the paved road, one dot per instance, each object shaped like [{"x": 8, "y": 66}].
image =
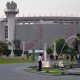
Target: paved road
[{"x": 16, "y": 72}]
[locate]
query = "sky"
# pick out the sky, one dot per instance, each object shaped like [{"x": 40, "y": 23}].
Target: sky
[{"x": 44, "y": 7}]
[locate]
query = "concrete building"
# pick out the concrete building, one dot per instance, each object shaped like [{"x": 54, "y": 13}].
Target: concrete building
[
  {"x": 35, "y": 31},
  {"x": 38, "y": 30}
]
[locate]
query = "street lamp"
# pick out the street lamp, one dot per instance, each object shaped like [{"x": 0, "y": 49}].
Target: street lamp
[{"x": 33, "y": 54}]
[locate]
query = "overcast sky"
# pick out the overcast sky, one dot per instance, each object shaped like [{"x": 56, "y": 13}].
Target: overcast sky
[{"x": 42, "y": 7}]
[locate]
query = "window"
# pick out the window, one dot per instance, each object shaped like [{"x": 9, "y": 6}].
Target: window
[
  {"x": 71, "y": 22},
  {"x": 77, "y": 23},
  {"x": 6, "y": 31}
]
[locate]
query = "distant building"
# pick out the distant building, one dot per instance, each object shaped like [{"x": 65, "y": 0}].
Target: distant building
[
  {"x": 35, "y": 31},
  {"x": 38, "y": 30}
]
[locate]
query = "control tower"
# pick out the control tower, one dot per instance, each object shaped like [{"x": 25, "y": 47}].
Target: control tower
[{"x": 11, "y": 11}]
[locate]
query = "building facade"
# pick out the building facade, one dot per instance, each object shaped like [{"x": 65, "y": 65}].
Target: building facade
[{"x": 35, "y": 31}]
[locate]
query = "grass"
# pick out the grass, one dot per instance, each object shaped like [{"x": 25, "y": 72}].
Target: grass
[
  {"x": 51, "y": 71},
  {"x": 54, "y": 72},
  {"x": 31, "y": 70},
  {"x": 6, "y": 61}
]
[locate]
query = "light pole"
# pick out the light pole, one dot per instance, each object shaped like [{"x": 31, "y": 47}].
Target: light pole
[
  {"x": 55, "y": 53},
  {"x": 23, "y": 49},
  {"x": 33, "y": 54}
]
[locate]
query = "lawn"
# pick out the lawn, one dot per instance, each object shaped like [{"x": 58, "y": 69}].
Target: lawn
[
  {"x": 3, "y": 61},
  {"x": 6, "y": 61},
  {"x": 52, "y": 71}
]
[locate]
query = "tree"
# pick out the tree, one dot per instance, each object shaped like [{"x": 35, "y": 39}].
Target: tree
[
  {"x": 49, "y": 50},
  {"x": 3, "y": 47},
  {"x": 76, "y": 43},
  {"x": 59, "y": 45},
  {"x": 17, "y": 43},
  {"x": 71, "y": 51}
]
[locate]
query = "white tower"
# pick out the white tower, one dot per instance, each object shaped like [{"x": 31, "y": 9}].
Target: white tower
[{"x": 11, "y": 11}]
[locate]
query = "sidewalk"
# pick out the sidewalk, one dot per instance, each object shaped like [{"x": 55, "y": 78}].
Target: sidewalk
[{"x": 74, "y": 70}]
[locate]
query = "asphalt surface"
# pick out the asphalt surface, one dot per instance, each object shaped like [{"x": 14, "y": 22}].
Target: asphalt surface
[{"x": 17, "y": 72}]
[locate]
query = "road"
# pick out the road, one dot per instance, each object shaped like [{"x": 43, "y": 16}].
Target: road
[{"x": 16, "y": 72}]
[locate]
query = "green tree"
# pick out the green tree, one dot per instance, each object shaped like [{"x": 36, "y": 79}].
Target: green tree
[
  {"x": 49, "y": 50},
  {"x": 71, "y": 51},
  {"x": 17, "y": 43},
  {"x": 3, "y": 47},
  {"x": 59, "y": 45},
  {"x": 76, "y": 43}
]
